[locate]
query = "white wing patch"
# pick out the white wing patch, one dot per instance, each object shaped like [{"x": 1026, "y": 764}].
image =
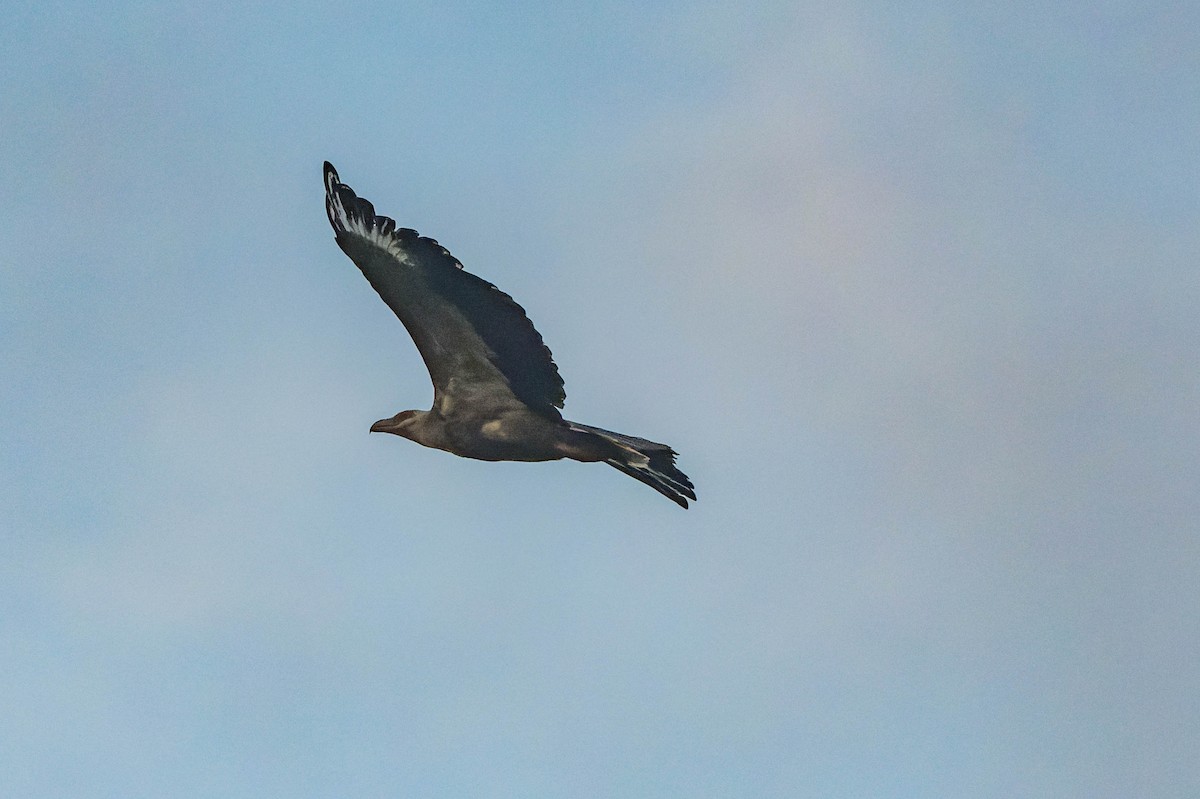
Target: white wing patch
[{"x": 378, "y": 230}]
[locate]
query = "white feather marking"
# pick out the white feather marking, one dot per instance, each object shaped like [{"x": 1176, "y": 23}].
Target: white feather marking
[
  {"x": 366, "y": 229},
  {"x": 494, "y": 429}
]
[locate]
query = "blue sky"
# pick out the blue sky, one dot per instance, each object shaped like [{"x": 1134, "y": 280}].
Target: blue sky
[{"x": 912, "y": 290}]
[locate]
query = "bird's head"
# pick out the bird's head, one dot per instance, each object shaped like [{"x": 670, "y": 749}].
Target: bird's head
[{"x": 397, "y": 425}]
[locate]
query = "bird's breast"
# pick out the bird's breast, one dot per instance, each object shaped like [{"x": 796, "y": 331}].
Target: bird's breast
[{"x": 514, "y": 436}]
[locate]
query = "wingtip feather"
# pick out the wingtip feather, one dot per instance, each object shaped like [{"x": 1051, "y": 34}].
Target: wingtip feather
[{"x": 349, "y": 212}]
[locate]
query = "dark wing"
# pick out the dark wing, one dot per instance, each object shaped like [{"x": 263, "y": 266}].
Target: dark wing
[{"x": 477, "y": 343}]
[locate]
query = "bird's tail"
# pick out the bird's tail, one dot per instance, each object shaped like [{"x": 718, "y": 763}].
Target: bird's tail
[{"x": 651, "y": 463}]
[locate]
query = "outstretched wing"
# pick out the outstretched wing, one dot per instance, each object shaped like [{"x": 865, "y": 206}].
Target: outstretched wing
[{"x": 477, "y": 343}]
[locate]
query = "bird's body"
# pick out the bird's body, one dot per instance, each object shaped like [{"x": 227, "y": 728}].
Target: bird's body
[
  {"x": 516, "y": 434},
  {"x": 496, "y": 389}
]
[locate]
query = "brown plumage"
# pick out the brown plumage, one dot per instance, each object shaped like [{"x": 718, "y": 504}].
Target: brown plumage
[{"x": 496, "y": 390}]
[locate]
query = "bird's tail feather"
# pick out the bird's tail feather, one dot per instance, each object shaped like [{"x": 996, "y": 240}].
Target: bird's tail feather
[{"x": 647, "y": 461}]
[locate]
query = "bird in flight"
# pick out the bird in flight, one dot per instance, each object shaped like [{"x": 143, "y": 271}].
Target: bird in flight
[{"x": 496, "y": 390}]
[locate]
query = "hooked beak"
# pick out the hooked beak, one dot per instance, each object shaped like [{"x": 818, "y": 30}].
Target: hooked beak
[{"x": 378, "y": 427}]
